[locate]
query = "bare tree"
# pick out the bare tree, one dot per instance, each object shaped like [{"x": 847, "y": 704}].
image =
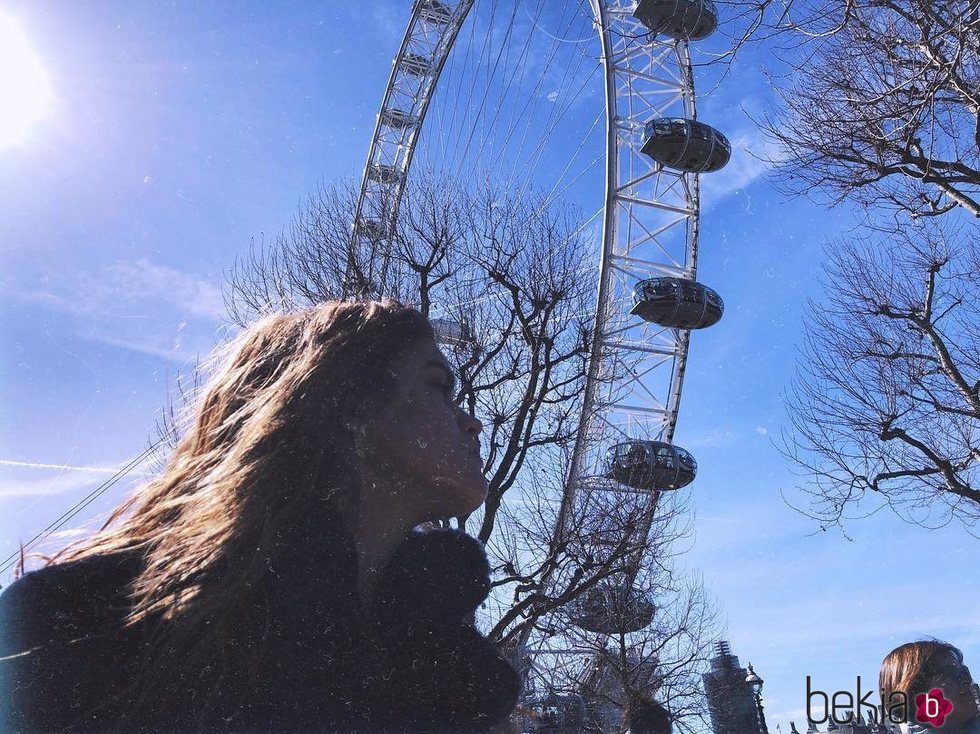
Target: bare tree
[
  {"x": 887, "y": 408},
  {"x": 665, "y": 660},
  {"x": 884, "y": 111},
  {"x": 504, "y": 274},
  {"x": 602, "y": 627},
  {"x": 616, "y": 618}
]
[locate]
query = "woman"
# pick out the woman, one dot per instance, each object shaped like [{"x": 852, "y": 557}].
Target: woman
[
  {"x": 919, "y": 667},
  {"x": 270, "y": 579}
]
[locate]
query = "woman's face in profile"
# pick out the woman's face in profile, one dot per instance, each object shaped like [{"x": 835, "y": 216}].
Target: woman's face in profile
[{"x": 423, "y": 446}]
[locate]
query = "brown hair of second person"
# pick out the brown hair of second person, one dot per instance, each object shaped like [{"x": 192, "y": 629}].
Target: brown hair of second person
[{"x": 917, "y": 667}]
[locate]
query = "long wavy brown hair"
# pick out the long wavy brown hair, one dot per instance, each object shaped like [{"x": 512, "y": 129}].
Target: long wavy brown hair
[{"x": 269, "y": 452}]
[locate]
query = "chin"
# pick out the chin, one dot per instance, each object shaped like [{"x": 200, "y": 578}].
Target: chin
[
  {"x": 469, "y": 497},
  {"x": 474, "y": 498},
  {"x": 458, "y": 496}
]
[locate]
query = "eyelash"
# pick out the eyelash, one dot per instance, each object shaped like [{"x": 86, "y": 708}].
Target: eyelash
[{"x": 446, "y": 387}]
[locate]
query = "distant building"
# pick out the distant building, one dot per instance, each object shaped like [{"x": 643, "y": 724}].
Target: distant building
[
  {"x": 730, "y": 700},
  {"x": 731, "y": 703}
]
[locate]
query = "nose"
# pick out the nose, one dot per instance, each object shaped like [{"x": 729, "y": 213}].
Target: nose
[{"x": 471, "y": 426}]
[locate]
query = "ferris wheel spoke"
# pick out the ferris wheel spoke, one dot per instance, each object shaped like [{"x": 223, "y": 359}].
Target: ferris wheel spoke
[
  {"x": 632, "y": 217},
  {"x": 522, "y": 68},
  {"x": 636, "y": 378},
  {"x": 456, "y": 129},
  {"x": 553, "y": 122},
  {"x": 495, "y": 66},
  {"x": 468, "y": 47}
]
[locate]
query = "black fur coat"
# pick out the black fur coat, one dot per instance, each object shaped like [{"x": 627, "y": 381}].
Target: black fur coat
[{"x": 410, "y": 663}]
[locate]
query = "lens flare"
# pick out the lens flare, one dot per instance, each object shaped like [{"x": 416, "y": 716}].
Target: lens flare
[{"x": 25, "y": 92}]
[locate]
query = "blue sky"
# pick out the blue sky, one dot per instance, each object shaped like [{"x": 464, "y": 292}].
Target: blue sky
[{"x": 180, "y": 131}]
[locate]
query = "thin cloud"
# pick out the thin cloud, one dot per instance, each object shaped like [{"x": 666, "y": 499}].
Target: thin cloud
[
  {"x": 168, "y": 344},
  {"x": 141, "y": 280},
  {"x": 129, "y": 289},
  {"x": 67, "y": 467},
  {"x": 753, "y": 156},
  {"x": 718, "y": 437},
  {"x": 139, "y": 305},
  {"x": 38, "y": 479},
  {"x": 46, "y": 486}
]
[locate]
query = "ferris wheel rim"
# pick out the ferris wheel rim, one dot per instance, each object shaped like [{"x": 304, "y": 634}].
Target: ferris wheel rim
[{"x": 603, "y": 10}]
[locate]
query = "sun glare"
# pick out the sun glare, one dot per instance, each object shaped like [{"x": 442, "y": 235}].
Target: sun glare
[{"x": 25, "y": 93}]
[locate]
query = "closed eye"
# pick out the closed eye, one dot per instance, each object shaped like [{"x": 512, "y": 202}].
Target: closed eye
[
  {"x": 448, "y": 388},
  {"x": 448, "y": 385}
]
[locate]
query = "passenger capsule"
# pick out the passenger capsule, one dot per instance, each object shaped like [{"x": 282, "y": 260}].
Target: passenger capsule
[
  {"x": 611, "y": 609},
  {"x": 398, "y": 119},
  {"x": 372, "y": 229},
  {"x": 435, "y": 11},
  {"x": 685, "y": 145},
  {"x": 677, "y": 303},
  {"x": 681, "y": 19},
  {"x": 649, "y": 466},
  {"x": 453, "y": 333},
  {"x": 416, "y": 64},
  {"x": 384, "y": 173}
]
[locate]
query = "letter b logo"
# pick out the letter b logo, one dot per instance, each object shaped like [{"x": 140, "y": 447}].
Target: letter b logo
[{"x": 932, "y": 707}]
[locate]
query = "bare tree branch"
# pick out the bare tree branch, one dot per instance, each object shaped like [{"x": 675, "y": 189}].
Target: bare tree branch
[
  {"x": 885, "y": 410},
  {"x": 884, "y": 112}
]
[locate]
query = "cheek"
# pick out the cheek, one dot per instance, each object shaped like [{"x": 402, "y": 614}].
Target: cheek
[
  {"x": 422, "y": 432},
  {"x": 439, "y": 445}
]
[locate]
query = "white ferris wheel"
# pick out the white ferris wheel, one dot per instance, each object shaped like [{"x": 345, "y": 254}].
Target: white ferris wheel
[{"x": 609, "y": 99}]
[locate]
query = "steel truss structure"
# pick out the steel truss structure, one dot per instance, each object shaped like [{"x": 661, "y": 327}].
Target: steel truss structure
[
  {"x": 428, "y": 40},
  {"x": 650, "y": 228}
]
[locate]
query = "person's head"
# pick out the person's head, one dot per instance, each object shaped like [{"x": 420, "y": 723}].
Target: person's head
[
  {"x": 310, "y": 421},
  {"x": 645, "y": 716},
  {"x": 918, "y": 667}
]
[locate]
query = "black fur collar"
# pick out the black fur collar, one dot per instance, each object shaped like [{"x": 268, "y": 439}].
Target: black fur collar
[{"x": 435, "y": 576}]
